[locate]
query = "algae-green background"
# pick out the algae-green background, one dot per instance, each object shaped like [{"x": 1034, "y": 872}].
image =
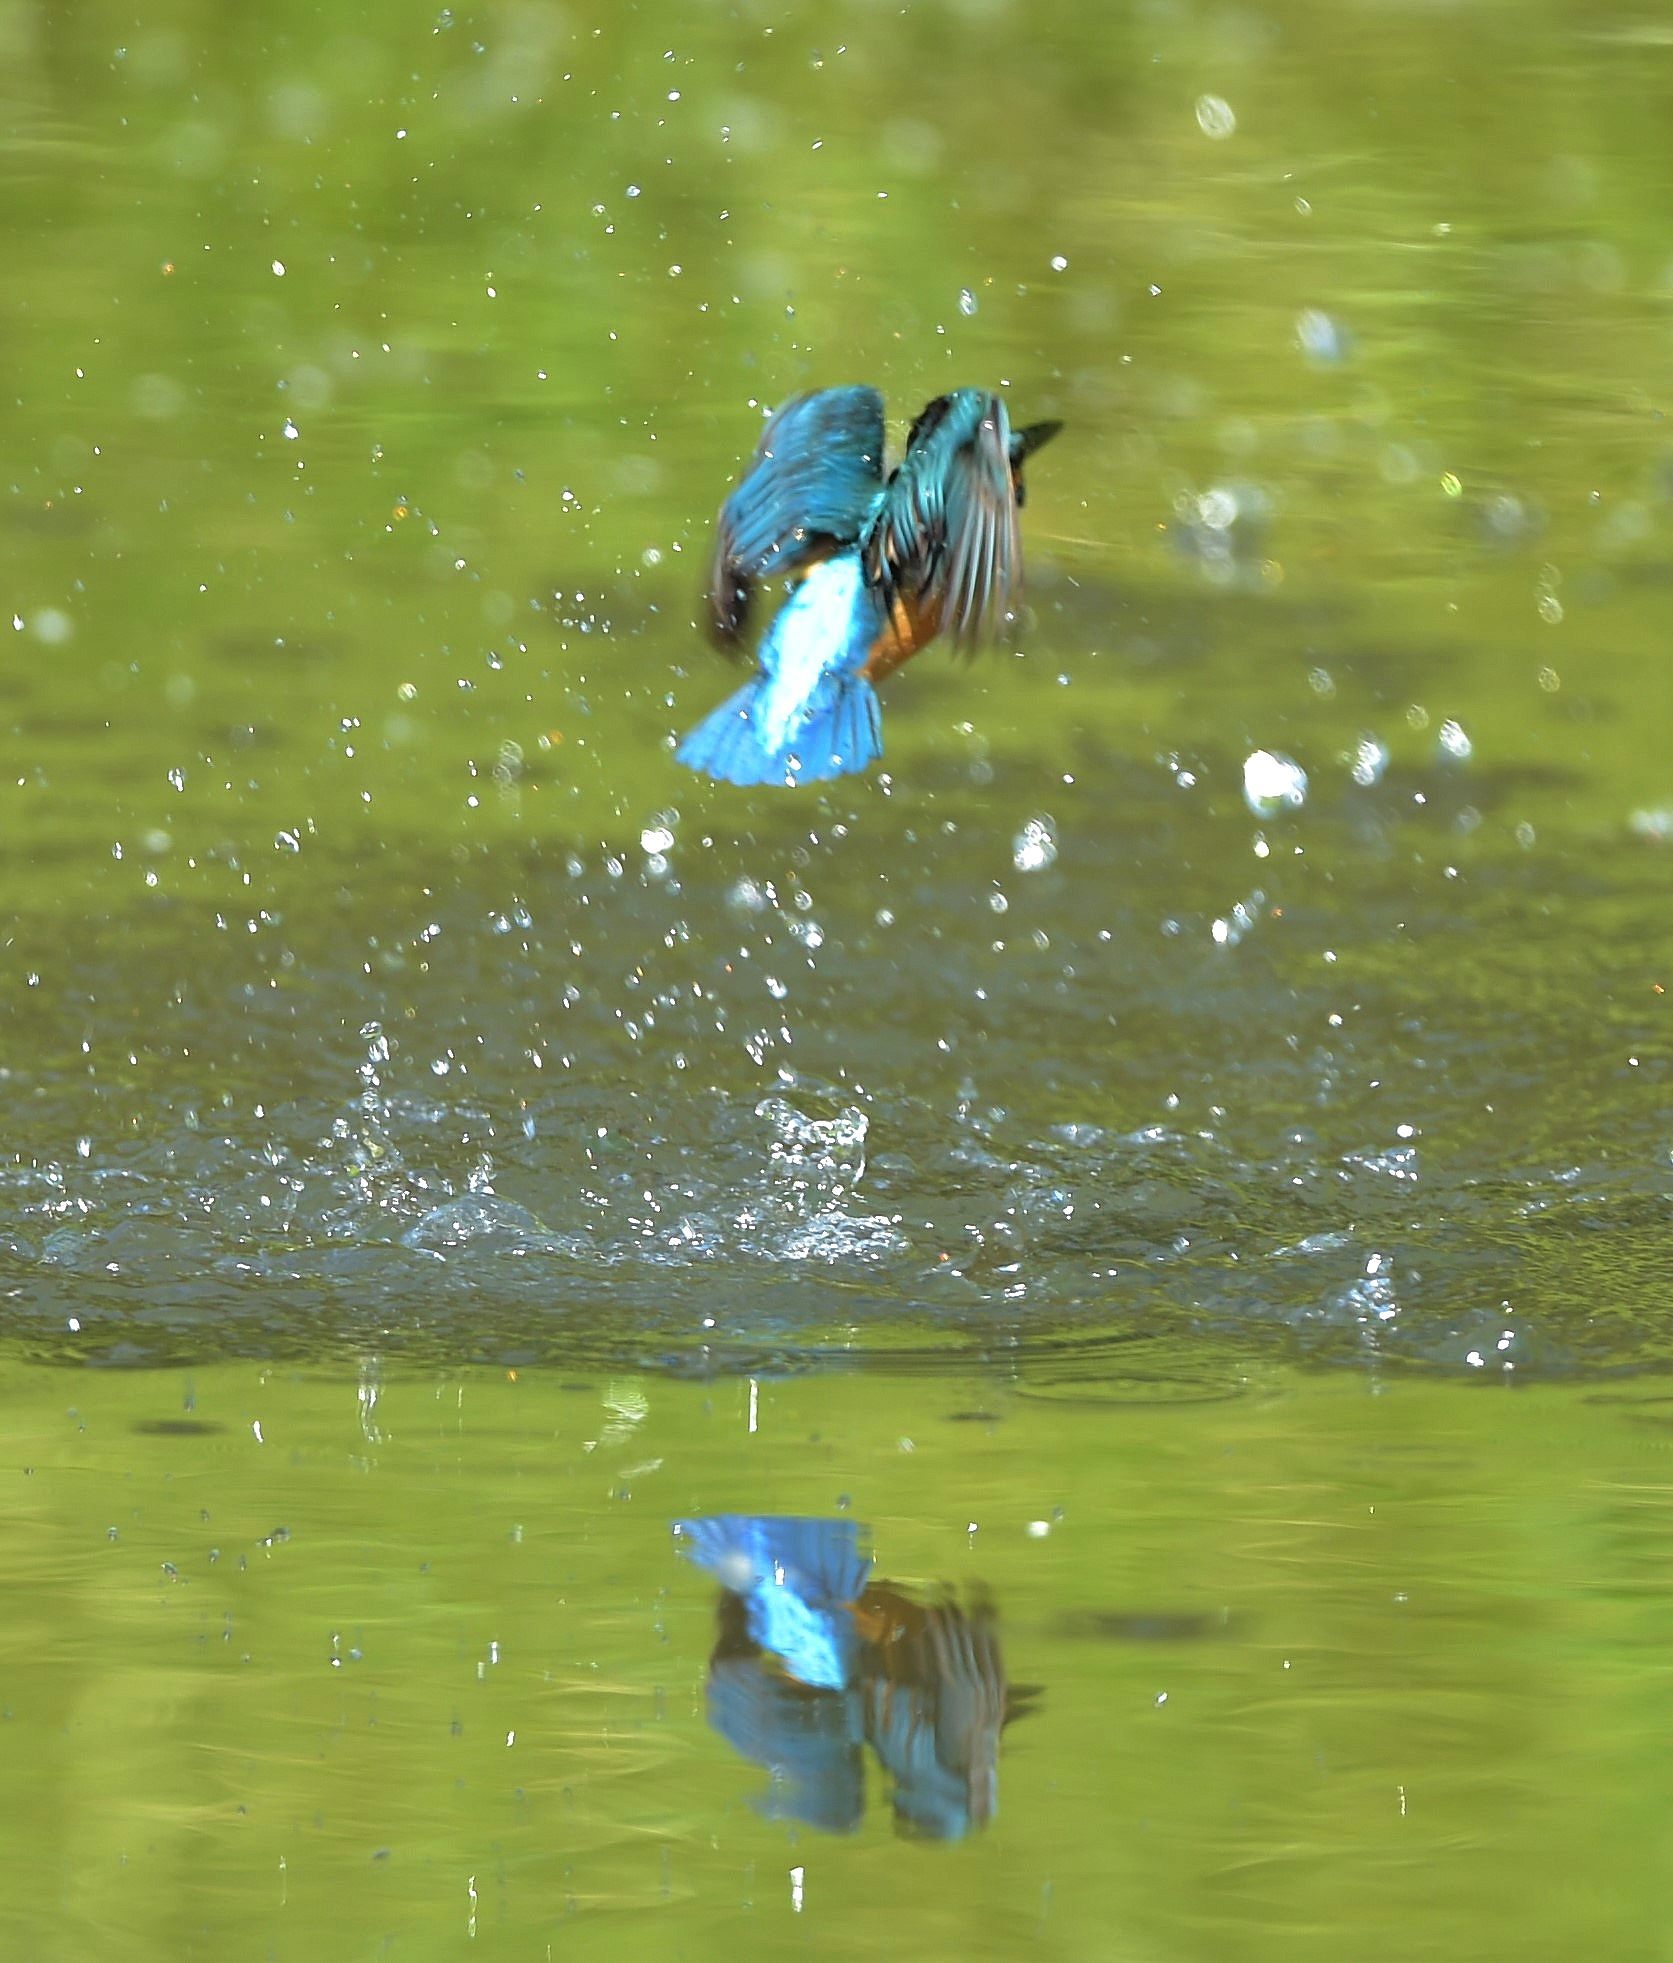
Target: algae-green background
[{"x": 371, "y": 377}]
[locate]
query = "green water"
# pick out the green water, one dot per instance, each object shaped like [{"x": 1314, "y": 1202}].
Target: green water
[
  {"x": 1317, "y": 1670},
  {"x": 436, "y": 1125}
]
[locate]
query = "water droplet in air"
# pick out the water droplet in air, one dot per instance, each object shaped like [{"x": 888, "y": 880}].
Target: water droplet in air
[
  {"x": 967, "y": 301},
  {"x": 1453, "y": 743},
  {"x": 1319, "y": 337},
  {"x": 1035, "y": 846},
  {"x": 1218, "y": 508},
  {"x": 747, "y": 896},
  {"x": 1215, "y": 117},
  {"x": 1273, "y": 783},
  {"x": 1370, "y": 760}
]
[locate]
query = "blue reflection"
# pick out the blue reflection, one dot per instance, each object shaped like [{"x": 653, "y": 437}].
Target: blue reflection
[{"x": 813, "y": 1660}]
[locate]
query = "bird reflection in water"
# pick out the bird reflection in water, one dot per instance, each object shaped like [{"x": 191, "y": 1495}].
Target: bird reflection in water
[{"x": 813, "y": 1661}]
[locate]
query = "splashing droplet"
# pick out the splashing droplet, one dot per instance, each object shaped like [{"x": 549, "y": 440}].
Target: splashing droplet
[
  {"x": 1370, "y": 760},
  {"x": 1035, "y": 846},
  {"x": 1215, "y": 117},
  {"x": 1273, "y": 783},
  {"x": 1453, "y": 743}
]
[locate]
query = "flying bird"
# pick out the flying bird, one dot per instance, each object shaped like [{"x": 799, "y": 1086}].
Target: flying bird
[{"x": 881, "y": 565}]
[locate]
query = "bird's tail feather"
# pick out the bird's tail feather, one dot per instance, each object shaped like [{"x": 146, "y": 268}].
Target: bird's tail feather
[
  {"x": 820, "y": 1561},
  {"x": 839, "y": 731}
]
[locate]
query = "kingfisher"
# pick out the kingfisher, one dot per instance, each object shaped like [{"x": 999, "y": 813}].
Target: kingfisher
[
  {"x": 881, "y": 565},
  {"x": 815, "y": 1658}
]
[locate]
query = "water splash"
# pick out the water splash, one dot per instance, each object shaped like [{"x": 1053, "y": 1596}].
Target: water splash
[{"x": 1273, "y": 782}]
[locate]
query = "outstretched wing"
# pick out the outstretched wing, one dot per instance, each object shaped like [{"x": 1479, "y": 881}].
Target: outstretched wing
[
  {"x": 815, "y": 473},
  {"x": 945, "y": 541}
]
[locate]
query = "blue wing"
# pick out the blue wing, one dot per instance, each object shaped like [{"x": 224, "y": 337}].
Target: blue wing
[
  {"x": 933, "y": 1712},
  {"x": 945, "y": 537},
  {"x": 810, "y": 1740},
  {"x": 815, "y": 474}
]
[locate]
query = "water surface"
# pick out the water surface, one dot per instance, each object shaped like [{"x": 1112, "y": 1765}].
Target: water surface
[{"x": 402, "y": 1055}]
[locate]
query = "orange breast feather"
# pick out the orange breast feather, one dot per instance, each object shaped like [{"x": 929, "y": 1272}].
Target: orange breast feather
[{"x": 912, "y": 624}]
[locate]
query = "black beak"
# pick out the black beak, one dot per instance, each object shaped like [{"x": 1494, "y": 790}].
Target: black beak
[{"x": 1024, "y": 442}]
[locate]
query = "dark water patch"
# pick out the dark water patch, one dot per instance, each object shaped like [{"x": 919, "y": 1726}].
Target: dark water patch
[
  {"x": 1142, "y": 1625},
  {"x": 734, "y": 1107}
]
